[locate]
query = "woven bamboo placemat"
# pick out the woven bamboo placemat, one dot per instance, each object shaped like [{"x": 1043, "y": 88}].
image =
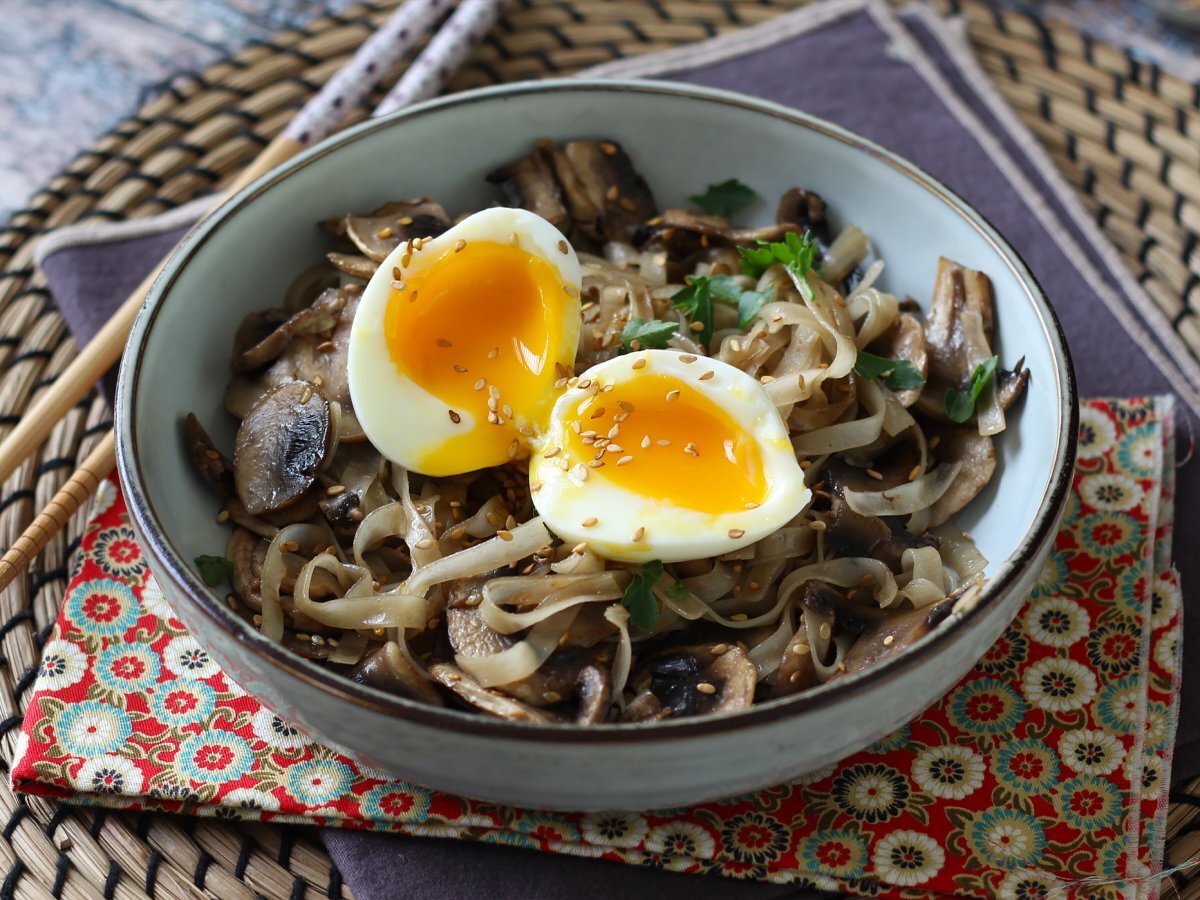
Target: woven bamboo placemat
[{"x": 1123, "y": 132}]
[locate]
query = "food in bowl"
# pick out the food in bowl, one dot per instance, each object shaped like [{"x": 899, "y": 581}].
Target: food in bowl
[{"x": 581, "y": 460}]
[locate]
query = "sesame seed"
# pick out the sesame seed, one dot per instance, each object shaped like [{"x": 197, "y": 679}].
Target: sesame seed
[
  {"x": 404, "y": 220},
  {"x": 412, "y": 298},
  {"x": 406, "y": 259},
  {"x": 914, "y": 472},
  {"x": 754, "y": 585},
  {"x": 766, "y": 379},
  {"x": 513, "y": 448},
  {"x": 736, "y": 533},
  {"x": 738, "y": 617},
  {"x": 580, "y": 472},
  {"x": 480, "y": 384},
  {"x": 223, "y": 517},
  {"x": 562, "y": 247},
  {"x": 611, "y": 193},
  {"x": 514, "y": 239},
  {"x": 614, "y": 448},
  {"x": 552, "y": 697},
  {"x": 493, "y": 353},
  {"x": 687, "y": 358},
  {"x": 705, "y": 688},
  {"x": 817, "y": 525},
  {"x": 635, "y": 344},
  {"x": 305, "y": 395},
  {"x": 589, "y": 521},
  {"x": 504, "y": 534},
  {"x": 534, "y": 487},
  {"x": 639, "y": 363},
  {"x": 751, "y": 505},
  {"x": 398, "y": 285},
  {"x": 460, "y": 369},
  {"x": 443, "y": 342},
  {"x": 797, "y": 649},
  {"x": 459, "y": 246},
  {"x": 707, "y": 375},
  {"x": 728, "y": 445},
  {"x": 620, "y": 417},
  {"x": 595, "y": 463},
  {"x": 396, "y": 273},
  {"x": 889, "y": 640},
  {"x": 424, "y": 544},
  {"x": 553, "y": 451},
  {"x": 690, "y": 449},
  {"x": 324, "y": 346},
  {"x": 584, "y": 384},
  {"x": 639, "y": 534},
  {"x": 627, "y": 204},
  {"x": 560, "y": 384},
  {"x": 696, "y": 327},
  {"x": 719, "y": 649},
  {"x": 794, "y": 677},
  {"x": 334, "y": 489},
  {"x": 384, "y": 233},
  {"x": 492, "y": 420},
  {"x": 597, "y": 412},
  {"x": 614, "y": 431},
  {"x": 626, "y": 405},
  {"x": 825, "y": 631},
  {"x": 672, "y": 396},
  {"x": 646, "y": 442},
  {"x": 507, "y": 410},
  {"x": 624, "y": 460},
  {"x": 493, "y": 404},
  {"x": 663, "y": 442},
  {"x": 873, "y": 474},
  {"x": 934, "y": 441},
  {"x": 608, "y": 387},
  {"x": 580, "y": 548}
]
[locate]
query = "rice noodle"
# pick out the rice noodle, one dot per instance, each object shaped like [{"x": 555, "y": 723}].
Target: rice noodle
[{"x": 904, "y": 499}]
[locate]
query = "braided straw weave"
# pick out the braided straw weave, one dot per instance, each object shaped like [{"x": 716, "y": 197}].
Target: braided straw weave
[{"x": 1123, "y": 132}]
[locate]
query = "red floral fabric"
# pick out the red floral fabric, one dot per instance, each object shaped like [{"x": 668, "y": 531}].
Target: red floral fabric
[{"x": 1043, "y": 772}]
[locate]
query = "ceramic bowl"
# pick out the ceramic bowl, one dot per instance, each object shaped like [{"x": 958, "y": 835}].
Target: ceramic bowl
[{"x": 682, "y": 138}]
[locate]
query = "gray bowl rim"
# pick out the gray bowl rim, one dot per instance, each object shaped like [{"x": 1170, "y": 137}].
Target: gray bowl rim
[{"x": 171, "y": 563}]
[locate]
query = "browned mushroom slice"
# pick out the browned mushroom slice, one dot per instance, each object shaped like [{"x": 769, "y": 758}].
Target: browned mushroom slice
[
  {"x": 958, "y": 333},
  {"x": 389, "y": 670},
  {"x": 612, "y": 186},
  {"x": 343, "y": 512},
  {"x": 530, "y": 184},
  {"x": 595, "y": 695},
  {"x": 582, "y": 208},
  {"x": 905, "y": 340},
  {"x": 848, "y": 533},
  {"x": 280, "y": 447},
  {"x": 688, "y": 237},
  {"x": 492, "y": 702},
  {"x": 353, "y": 265},
  {"x": 645, "y": 707},
  {"x": 696, "y": 680},
  {"x": 806, "y": 211},
  {"x": 891, "y": 632},
  {"x": 212, "y": 465},
  {"x": 797, "y": 670},
  {"x": 977, "y": 454},
  {"x": 240, "y": 552},
  {"x": 1010, "y": 386},
  {"x": 323, "y": 315},
  {"x": 386, "y": 228}
]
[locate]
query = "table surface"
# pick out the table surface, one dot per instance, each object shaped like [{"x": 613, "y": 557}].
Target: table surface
[{"x": 71, "y": 69}]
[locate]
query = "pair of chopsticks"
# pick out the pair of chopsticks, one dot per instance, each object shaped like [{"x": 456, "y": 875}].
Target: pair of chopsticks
[{"x": 318, "y": 119}]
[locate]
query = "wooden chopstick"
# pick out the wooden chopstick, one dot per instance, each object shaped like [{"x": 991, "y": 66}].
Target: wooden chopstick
[{"x": 318, "y": 119}]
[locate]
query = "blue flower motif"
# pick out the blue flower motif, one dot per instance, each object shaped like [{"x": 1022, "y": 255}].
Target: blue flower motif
[
  {"x": 836, "y": 854},
  {"x": 1089, "y": 803},
  {"x": 893, "y": 741},
  {"x": 1053, "y": 576},
  {"x": 1117, "y": 706},
  {"x": 547, "y": 826},
  {"x": 1107, "y": 535},
  {"x": 92, "y": 728},
  {"x": 127, "y": 667},
  {"x": 987, "y": 706},
  {"x": 102, "y": 607},
  {"x": 214, "y": 756},
  {"x": 1131, "y": 592},
  {"x": 1111, "y": 862},
  {"x": 507, "y": 838},
  {"x": 182, "y": 702},
  {"x": 396, "y": 802},
  {"x": 1006, "y": 838},
  {"x": 116, "y": 552},
  {"x": 1027, "y": 766},
  {"x": 319, "y": 781},
  {"x": 1140, "y": 451}
]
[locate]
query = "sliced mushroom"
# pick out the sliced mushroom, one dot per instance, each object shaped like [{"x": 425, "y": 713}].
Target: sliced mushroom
[
  {"x": 797, "y": 671},
  {"x": 240, "y": 552},
  {"x": 695, "y": 680},
  {"x": 389, "y": 669},
  {"x": 688, "y": 237},
  {"x": 977, "y": 454},
  {"x": 613, "y": 187},
  {"x": 212, "y": 465},
  {"x": 323, "y": 315},
  {"x": 1010, "y": 385},
  {"x": 281, "y": 445},
  {"x": 595, "y": 695},
  {"x": 492, "y": 702},
  {"x": 891, "y": 632},
  {"x": 848, "y": 533},
  {"x": 353, "y": 265},
  {"x": 530, "y": 183},
  {"x": 343, "y": 512},
  {"x": 806, "y": 211},
  {"x": 905, "y": 340},
  {"x": 386, "y": 228}
]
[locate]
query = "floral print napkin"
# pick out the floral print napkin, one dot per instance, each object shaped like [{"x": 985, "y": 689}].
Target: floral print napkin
[{"x": 1043, "y": 771}]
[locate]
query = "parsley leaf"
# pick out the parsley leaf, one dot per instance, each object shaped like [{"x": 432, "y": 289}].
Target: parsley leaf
[
  {"x": 748, "y": 303},
  {"x": 960, "y": 405},
  {"x": 214, "y": 569},
  {"x": 898, "y": 374},
  {"x": 725, "y": 198},
  {"x": 696, "y": 302},
  {"x": 652, "y": 335},
  {"x": 639, "y": 596},
  {"x": 796, "y": 252}
]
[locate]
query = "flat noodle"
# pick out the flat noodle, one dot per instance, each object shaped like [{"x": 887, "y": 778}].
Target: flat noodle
[
  {"x": 521, "y": 659},
  {"x": 906, "y": 498},
  {"x": 494, "y": 554}
]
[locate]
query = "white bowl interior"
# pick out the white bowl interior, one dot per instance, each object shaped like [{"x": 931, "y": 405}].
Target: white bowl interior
[{"x": 444, "y": 153}]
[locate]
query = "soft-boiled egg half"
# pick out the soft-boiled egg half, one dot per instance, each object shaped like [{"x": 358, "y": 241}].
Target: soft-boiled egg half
[
  {"x": 458, "y": 341},
  {"x": 461, "y": 358},
  {"x": 666, "y": 455}
]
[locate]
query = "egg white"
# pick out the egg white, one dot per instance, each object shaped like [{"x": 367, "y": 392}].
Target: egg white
[
  {"x": 672, "y": 533},
  {"x": 403, "y": 420}
]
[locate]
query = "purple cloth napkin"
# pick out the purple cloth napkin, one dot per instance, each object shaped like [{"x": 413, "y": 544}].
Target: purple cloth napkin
[{"x": 903, "y": 83}]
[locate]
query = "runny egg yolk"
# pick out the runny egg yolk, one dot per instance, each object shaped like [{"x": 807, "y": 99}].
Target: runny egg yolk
[
  {"x": 660, "y": 438},
  {"x": 480, "y": 328}
]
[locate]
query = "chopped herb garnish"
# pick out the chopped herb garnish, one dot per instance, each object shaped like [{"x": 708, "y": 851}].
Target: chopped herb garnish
[
  {"x": 639, "y": 596},
  {"x": 897, "y": 374},
  {"x": 796, "y": 252},
  {"x": 726, "y": 198},
  {"x": 696, "y": 302},
  {"x": 960, "y": 405},
  {"x": 652, "y": 335},
  {"x": 214, "y": 569},
  {"x": 678, "y": 590},
  {"x": 748, "y": 303}
]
